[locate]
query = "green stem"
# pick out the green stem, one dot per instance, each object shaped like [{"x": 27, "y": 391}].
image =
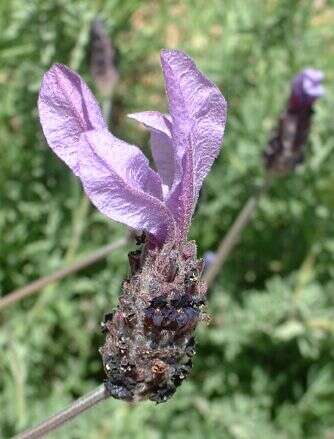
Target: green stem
[{"x": 233, "y": 235}]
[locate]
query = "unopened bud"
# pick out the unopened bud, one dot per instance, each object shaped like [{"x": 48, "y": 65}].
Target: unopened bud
[
  {"x": 101, "y": 61},
  {"x": 306, "y": 89}
]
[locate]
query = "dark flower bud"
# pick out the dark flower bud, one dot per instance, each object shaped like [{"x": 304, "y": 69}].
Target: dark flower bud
[
  {"x": 285, "y": 149},
  {"x": 306, "y": 89},
  {"x": 149, "y": 357},
  {"x": 101, "y": 60}
]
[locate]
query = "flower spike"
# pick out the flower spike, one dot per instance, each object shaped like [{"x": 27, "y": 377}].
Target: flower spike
[
  {"x": 285, "y": 149},
  {"x": 149, "y": 343}
]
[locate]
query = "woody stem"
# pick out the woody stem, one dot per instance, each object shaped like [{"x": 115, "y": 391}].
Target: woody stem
[
  {"x": 233, "y": 235},
  {"x": 37, "y": 285},
  {"x": 76, "y": 408}
]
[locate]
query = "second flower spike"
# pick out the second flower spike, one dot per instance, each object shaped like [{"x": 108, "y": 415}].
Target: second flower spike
[{"x": 285, "y": 149}]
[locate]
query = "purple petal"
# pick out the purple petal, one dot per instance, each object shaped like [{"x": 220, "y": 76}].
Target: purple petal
[
  {"x": 154, "y": 120},
  {"x": 118, "y": 180},
  {"x": 67, "y": 108},
  {"x": 181, "y": 201},
  {"x": 198, "y": 112},
  {"x": 161, "y": 143},
  {"x": 306, "y": 88}
]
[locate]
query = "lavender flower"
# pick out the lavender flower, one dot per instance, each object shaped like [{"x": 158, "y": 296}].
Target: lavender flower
[
  {"x": 306, "y": 89},
  {"x": 285, "y": 149},
  {"x": 149, "y": 337},
  {"x": 116, "y": 175},
  {"x": 101, "y": 59}
]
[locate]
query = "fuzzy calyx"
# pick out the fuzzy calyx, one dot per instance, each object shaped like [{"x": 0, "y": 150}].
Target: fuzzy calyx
[{"x": 150, "y": 337}]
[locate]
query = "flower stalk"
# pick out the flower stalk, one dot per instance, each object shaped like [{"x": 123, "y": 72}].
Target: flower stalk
[
  {"x": 64, "y": 416},
  {"x": 232, "y": 237},
  {"x": 37, "y": 285}
]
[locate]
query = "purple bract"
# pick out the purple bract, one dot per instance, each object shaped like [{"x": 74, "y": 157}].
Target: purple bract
[
  {"x": 306, "y": 88},
  {"x": 116, "y": 175}
]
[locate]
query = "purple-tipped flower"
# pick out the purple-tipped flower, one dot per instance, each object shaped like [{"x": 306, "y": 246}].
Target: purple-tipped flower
[
  {"x": 306, "y": 89},
  {"x": 285, "y": 149},
  {"x": 149, "y": 337},
  {"x": 101, "y": 59},
  {"x": 116, "y": 175}
]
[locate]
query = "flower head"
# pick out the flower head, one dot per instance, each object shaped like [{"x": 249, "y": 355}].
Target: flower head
[
  {"x": 306, "y": 88},
  {"x": 149, "y": 344},
  {"x": 285, "y": 148},
  {"x": 102, "y": 59},
  {"x": 116, "y": 175}
]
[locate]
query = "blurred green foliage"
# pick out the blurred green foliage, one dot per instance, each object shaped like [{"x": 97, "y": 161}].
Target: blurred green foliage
[{"x": 264, "y": 367}]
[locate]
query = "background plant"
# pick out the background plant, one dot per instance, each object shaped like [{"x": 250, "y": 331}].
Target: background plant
[{"x": 265, "y": 362}]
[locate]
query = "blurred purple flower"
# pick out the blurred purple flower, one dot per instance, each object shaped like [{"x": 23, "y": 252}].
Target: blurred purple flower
[
  {"x": 306, "y": 88},
  {"x": 116, "y": 175},
  {"x": 285, "y": 148},
  {"x": 102, "y": 59}
]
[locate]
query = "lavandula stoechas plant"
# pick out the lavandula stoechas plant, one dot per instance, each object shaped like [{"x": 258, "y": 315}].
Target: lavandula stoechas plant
[
  {"x": 285, "y": 149},
  {"x": 150, "y": 336}
]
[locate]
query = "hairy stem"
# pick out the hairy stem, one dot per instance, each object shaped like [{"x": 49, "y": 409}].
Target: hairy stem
[
  {"x": 37, "y": 285},
  {"x": 76, "y": 408},
  {"x": 233, "y": 235}
]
